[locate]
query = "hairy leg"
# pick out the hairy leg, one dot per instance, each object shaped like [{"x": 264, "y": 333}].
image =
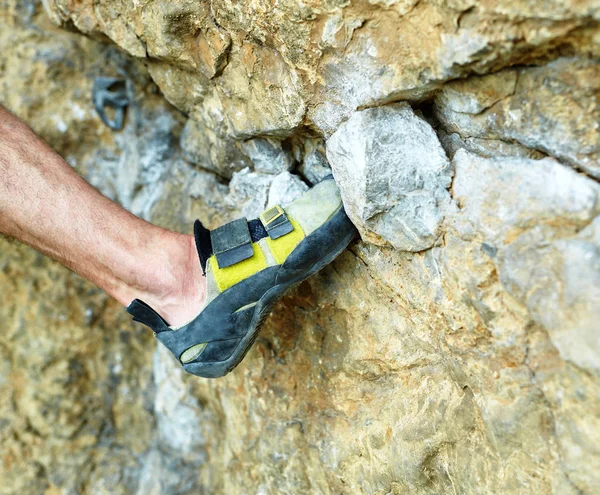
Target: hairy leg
[{"x": 46, "y": 204}]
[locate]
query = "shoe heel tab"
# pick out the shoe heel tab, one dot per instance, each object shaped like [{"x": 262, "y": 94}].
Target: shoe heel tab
[{"x": 144, "y": 314}]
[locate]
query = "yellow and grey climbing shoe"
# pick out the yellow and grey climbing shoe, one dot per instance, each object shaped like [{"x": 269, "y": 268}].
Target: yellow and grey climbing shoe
[{"x": 249, "y": 265}]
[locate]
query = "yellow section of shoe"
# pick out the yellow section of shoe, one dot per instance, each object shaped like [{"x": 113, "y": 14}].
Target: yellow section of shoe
[
  {"x": 282, "y": 247},
  {"x": 228, "y": 277}
]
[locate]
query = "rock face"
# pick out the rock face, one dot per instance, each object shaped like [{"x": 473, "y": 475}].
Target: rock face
[
  {"x": 544, "y": 236},
  {"x": 393, "y": 175},
  {"x": 563, "y": 119},
  {"x": 454, "y": 349},
  {"x": 267, "y": 68}
]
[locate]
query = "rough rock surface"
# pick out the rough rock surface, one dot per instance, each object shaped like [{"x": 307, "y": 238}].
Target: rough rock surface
[
  {"x": 470, "y": 366},
  {"x": 393, "y": 175},
  {"x": 314, "y": 166},
  {"x": 268, "y": 156},
  {"x": 267, "y": 68},
  {"x": 554, "y": 108},
  {"x": 544, "y": 235}
]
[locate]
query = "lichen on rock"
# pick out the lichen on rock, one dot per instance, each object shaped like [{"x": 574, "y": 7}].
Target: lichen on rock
[{"x": 454, "y": 349}]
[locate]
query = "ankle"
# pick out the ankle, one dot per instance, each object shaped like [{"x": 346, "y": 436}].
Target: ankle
[
  {"x": 174, "y": 285},
  {"x": 183, "y": 291}
]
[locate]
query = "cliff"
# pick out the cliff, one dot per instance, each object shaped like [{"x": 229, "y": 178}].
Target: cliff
[{"x": 454, "y": 349}]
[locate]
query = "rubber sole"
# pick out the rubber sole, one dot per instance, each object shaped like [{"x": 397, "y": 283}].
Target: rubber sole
[{"x": 265, "y": 305}]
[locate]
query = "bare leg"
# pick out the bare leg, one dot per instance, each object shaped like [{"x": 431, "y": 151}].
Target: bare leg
[{"x": 47, "y": 205}]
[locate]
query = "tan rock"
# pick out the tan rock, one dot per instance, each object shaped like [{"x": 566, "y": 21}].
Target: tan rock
[
  {"x": 468, "y": 367},
  {"x": 335, "y": 56},
  {"x": 203, "y": 146},
  {"x": 259, "y": 93}
]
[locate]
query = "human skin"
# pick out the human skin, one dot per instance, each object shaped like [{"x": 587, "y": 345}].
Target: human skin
[{"x": 47, "y": 205}]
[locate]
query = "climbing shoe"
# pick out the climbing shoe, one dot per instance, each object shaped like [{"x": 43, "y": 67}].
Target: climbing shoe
[{"x": 248, "y": 266}]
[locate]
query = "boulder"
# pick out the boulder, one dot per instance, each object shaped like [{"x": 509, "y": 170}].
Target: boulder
[{"x": 393, "y": 175}]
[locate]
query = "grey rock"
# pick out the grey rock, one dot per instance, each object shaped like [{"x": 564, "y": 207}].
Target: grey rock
[
  {"x": 171, "y": 465},
  {"x": 268, "y": 156},
  {"x": 393, "y": 175},
  {"x": 203, "y": 146},
  {"x": 284, "y": 189},
  {"x": 559, "y": 282},
  {"x": 134, "y": 176},
  {"x": 250, "y": 193},
  {"x": 553, "y": 108},
  {"x": 178, "y": 414},
  {"x": 541, "y": 218},
  {"x": 314, "y": 167},
  {"x": 500, "y": 198},
  {"x": 461, "y": 48},
  {"x": 205, "y": 186},
  {"x": 165, "y": 473}
]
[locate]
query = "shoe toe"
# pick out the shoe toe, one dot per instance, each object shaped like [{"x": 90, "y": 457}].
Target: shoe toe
[{"x": 315, "y": 206}]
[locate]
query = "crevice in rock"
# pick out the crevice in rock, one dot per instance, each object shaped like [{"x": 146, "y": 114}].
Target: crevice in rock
[
  {"x": 227, "y": 54},
  {"x": 461, "y": 16},
  {"x": 354, "y": 33}
]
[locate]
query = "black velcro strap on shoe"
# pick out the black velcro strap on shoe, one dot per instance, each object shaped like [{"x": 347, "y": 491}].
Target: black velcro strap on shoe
[
  {"x": 232, "y": 243},
  {"x": 204, "y": 242},
  {"x": 276, "y": 222},
  {"x": 257, "y": 230}
]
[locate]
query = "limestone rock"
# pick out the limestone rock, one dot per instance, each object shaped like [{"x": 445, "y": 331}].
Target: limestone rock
[
  {"x": 393, "y": 175},
  {"x": 184, "y": 32},
  {"x": 268, "y": 156},
  {"x": 284, "y": 189},
  {"x": 407, "y": 53},
  {"x": 536, "y": 225},
  {"x": 133, "y": 172},
  {"x": 178, "y": 414},
  {"x": 314, "y": 166},
  {"x": 559, "y": 281},
  {"x": 501, "y": 198},
  {"x": 554, "y": 108},
  {"x": 171, "y": 79},
  {"x": 469, "y": 367},
  {"x": 530, "y": 213},
  {"x": 258, "y": 94},
  {"x": 81, "y": 376},
  {"x": 249, "y": 191},
  {"x": 476, "y": 94},
  {"x": 252, "y": 192},
  {"x": 321, "y": 61},
  {"x": 205, "y": 147}
]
